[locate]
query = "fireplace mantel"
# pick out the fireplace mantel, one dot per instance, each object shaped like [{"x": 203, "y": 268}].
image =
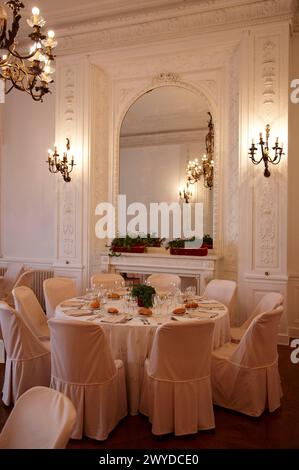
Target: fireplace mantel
[{"x": 203, "y": 269}]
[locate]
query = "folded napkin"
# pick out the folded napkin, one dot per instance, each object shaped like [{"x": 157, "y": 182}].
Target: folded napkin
[
  {"x": 202, "y": 314},
  {"x": 211, "y": 305},
  {"x": 114, "y": 319},
  {"x": 78, "y": 313},
  {"x": 71, "y": 303}
]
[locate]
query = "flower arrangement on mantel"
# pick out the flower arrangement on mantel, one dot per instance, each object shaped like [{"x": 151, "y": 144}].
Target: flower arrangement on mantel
[{"x": 144, "y": 295}]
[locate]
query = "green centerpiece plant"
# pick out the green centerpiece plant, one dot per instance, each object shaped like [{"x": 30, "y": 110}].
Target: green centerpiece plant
[{"x": 144, "y": 295}]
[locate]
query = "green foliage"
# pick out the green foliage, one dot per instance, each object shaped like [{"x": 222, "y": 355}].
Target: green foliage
[
  {"x": 144, "y": 293},
  {"x": 179, "y": 242}
]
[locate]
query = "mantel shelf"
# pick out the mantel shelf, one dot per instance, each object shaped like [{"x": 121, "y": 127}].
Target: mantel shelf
[{"x": 202, "y": 268}]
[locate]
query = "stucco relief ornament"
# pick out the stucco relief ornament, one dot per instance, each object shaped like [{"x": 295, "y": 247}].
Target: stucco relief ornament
[{"x": 166, "y": 77}]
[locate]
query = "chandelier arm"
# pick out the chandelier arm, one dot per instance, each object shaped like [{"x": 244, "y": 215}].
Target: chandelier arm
[{"x": 19, "y": 56}]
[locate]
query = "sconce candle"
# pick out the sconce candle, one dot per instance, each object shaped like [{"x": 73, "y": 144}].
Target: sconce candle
[
  {"x": 64, "y": 166},
  {"x": 265, "y": 152}
]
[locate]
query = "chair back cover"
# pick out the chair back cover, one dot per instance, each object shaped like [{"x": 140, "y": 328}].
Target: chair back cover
[
  {"x": 267, "y": 303},
  {"x": 107, "y": 280},
  {"x": 176, "y": 391},
  {"x": 223, "y": 291},
  {"x": 182, "y": 351},
  {"x": 164, "y": 282},
  {"x": 56, "y": 290},
  {"x": 29, "y": 307},
  {"x": 247, "y": 380},
  {"x": 258, "y": 346},
  {"x": 26, "y": 279},
  {"x": 42, "y": 418},
  {"x": 83, "y": 369},
  {"x": 12, "y": 274},
  {"x": 27, "y": 358},
  {"x": 80, "y": 352}
]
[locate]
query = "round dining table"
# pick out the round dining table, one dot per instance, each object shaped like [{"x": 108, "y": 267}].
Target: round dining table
[{"x": 130, "y": 335}]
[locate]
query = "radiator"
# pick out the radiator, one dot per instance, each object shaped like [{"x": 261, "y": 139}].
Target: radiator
[
  {"x": 39, "y": 277},
  {"x": 2, "y": 271}
]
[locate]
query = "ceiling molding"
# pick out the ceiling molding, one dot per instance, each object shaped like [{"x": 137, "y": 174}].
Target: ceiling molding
[{"x": 165, "y": 23}]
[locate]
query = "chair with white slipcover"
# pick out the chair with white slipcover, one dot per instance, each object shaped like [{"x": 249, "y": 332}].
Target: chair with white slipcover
[
  {"x": 28, "y": 360},
  {"x": 163, "y": 283},
  {"x": 42, "y": 418},
  {"x": 8, "y": 281},
  {"x": 223, "y": 291},
  {"x": 83, "y": 369},
  {"x": 56, "y": 290},
  {"x": 25, "y": 279},
  {"x": 176, "y": 392},
  {"x": 29, "y": 307},
  {"x": 245, "y": 376},
  {"x": 268, "y": 302},
  {"x": 107, "y": 280}
]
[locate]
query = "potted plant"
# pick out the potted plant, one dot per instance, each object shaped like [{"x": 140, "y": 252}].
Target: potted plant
[
  {"x": 154, "y": 244},
  {"x": 126, "y": 244},
  {"x": 207, "y": 241},
  {"x": 177, "y": 247},
  {"x": 144, "y": 295}
]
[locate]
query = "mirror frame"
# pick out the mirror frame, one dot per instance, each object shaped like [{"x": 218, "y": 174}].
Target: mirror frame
[{"x": 114, "y": 168}]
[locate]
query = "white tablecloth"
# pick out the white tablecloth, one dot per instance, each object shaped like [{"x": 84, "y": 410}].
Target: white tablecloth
[{"x": 131, "y": 342}]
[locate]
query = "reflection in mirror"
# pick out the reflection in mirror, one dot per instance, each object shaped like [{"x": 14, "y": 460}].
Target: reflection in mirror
[{"x": 162, "y": 131}]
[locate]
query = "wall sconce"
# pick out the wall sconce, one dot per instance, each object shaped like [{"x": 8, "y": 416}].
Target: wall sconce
[
  {"x": 265, "y": 152},
  {"x": 64, "y": 166},
  {"x": 185, "y": 193},
  {"x": 194, "y": 170}
]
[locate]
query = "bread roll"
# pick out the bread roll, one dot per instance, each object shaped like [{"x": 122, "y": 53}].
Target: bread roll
[
  {"x": 94, "y": 304},
  {"x": 191, "y": 305},
  {"x": 179, "y": 311},
  {"x": 114, "y": 295},
  {"x": 145, "y": 311},
  {"x": 112, "y": 310}
]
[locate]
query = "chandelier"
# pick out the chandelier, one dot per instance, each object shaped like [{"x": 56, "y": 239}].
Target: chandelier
[
  {"x": 265, "y": 152},
  {"x": 195, "y": 170},
  {"x": 65, "y": 165},
  {"x": 30, "y": 72}
]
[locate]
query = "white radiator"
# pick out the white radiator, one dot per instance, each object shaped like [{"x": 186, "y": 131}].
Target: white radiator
[{"x": 39, "y": 277}]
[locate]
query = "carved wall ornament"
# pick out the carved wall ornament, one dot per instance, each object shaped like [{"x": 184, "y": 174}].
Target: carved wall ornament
[{"x": 166, "y": 77}]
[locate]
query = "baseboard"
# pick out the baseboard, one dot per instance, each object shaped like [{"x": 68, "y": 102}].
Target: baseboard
[
  {"x": 283, "y": 339},
  {"x": 294, "y": 332},
  {"x": 1, "y": 352}
]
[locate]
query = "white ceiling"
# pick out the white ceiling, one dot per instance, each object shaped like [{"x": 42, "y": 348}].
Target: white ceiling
[{"x": 166, "y": 109}]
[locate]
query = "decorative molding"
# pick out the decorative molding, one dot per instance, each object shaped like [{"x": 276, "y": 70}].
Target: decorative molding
[
  {"x": 163, "y": 138},
  {"x": 176, "y": 21},
  {"x": 166, "y": 78},
  {"x": 267, "y": 91},
  {"x": 99, "y": 156},
  {"x": 66, "y": 128},
  {"x": 231, "y": 173},
  {"x": 266, "y": 217}
]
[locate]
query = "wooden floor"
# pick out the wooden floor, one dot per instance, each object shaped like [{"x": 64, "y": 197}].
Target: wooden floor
[{"x": 278, "y": 430}]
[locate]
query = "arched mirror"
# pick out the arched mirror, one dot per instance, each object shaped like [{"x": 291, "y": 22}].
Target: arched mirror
[{"x": 162, "y": 132}]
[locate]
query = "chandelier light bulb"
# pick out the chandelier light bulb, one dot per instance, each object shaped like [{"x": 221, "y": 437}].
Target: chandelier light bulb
[
  {"x": 35, "y": 11},
  {"x": 51, "y": 34}
]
